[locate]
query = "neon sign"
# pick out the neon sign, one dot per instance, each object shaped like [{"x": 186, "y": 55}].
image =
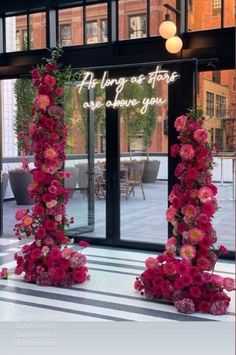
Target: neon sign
[{"x": 159, "y": 75}]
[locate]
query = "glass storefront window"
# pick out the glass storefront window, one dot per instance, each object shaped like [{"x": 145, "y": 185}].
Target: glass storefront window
[
  {"x": 157, "y": 15},
  {"x": 229, "y": 13},
  {"x": 96, "y": 24},
  {"x": 206, "y": 14},
  {"x": 132, "y": 19},
  {"x": 16, "y": 33},
  {"x": 216, "y": 96},
  {"x": 70, "y": 26},
  {"x": 37, "y": 30}
]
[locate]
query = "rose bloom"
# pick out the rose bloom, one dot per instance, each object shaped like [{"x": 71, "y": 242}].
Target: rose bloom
[
  {"x": 27, "y": 221},
  {"x": 20, "y": 214},
  {"x": 182, "y": 268},
  {"x": 58, "y": 218},
  {"x": 79, "y": 275},
  {"x": 174, "y": 150},
  {"x": 229, "y": 284},
  {"x": 187, "y": 252},
  {"x": 200, "y": 135},
  {"x": 38, "y": 175},
  {"x": 53, "y": 189},
  {"x": 32, "y": 128},
  {"x": 151, "y": 263},
  {"x": 208, "y": 209},
  {"x": 49, "y": 225},
  {"x": 42, "y": 101},
  {"x": 39, "y": 210},
  {"x": 223, "y": 250},
  {"x": 50, "y": 153},
  {"x": 49, "y": 80},
  {"x": 189, "y": 211},
  {"x": 205, "y": 194},
  {"x": 4, "y": 273},
  {"x": 179, "y": 169},
  {"x": 171, "y": 213},
  {"x": 83, "y": 244},
  {"x": 187, "y": 152},
  {"x": 36, "y": 254},
  {"x": 180, "y": 123},
  {"x": 59, "y": 91},
  {"x": 35, "y": 74},
  {"x": 195, "y": 235},
  {"x": 51, "y": 204},
  {"x": 51, "y": 67}
]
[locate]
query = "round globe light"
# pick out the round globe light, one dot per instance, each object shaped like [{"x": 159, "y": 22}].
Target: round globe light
[
  {"x": 174, "y": 44},
  {"x": 167, "y": 29}
]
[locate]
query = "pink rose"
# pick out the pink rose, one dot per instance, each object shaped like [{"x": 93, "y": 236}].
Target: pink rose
[
  {"x": 223, "y": 250},
  {"x": 200, "y": 135},
  {"x": 4, "y": 273},
  {"x": 83, "y": 244},
  {"x": 20, "y": 214},
  {"x": 229, "y": 284},
  {"x": 180, "y": 123},
  {"x": 171, "y": 213},
  {"x": 42, "y": 101},
  {"x": 189, "y": 211},
  {"x": 151, "y": 263},
  {"x": 187, "y": 152},
  {"x": 195, "y": 235},
  {"x": 174, "y": 150},
  {"x": 49, "y": 80},
  {"x": 205, "y": 194}
]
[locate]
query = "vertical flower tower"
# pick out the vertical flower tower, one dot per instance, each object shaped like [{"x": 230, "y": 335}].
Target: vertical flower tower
[
  {"x": 189, "y": 280},
  {"x": 47, "y": 260}
]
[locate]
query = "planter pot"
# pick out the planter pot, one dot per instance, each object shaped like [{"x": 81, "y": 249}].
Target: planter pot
[
  {"x": 4, "y": 184},
  {"x": 19, "y": 181},
  {"x": 150, "y": 172}
]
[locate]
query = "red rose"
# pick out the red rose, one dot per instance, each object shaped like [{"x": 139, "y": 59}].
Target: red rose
[
  {"x": 83, "y": 244},
  {"x": 79, "y": 275},
  {"x": 35, "y": 74},
  {"x": 174, "y": 150},
  {"x": 51, "y": 67},
  {"x": 223, "y": 250},
  {"x": 59, "y": 91}
]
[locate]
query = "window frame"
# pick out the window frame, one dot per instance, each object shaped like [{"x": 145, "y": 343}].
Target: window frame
[
  {"x": 210, "y": 103},
  {"x": 129, "y": 17}
]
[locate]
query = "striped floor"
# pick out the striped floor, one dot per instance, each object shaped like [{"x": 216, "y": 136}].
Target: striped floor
[{"x": 107, "y": 296}]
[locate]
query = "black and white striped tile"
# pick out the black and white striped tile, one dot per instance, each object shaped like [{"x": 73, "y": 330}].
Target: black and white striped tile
[{"x": 107, "y": 296}]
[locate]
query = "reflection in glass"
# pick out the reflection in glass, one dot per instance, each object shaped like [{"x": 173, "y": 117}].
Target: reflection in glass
[
  {"x": 132, "y": 19},
  {"x": 16, "y": 33},
  {"x": 87, "y": 182},
  {"x": 70, "y": 30},
  {"x": 142, "y": 139},
  {"x": 37, "y": 30},
  {"x": 96, "y": 24}
]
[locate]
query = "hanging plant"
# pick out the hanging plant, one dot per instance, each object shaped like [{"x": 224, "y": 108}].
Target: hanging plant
[
  {"x": 48, "y": 261},
  {"x": 189, "y": 281}
]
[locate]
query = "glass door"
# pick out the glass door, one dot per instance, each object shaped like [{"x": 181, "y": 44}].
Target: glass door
[{"x": 85, "y": 161}]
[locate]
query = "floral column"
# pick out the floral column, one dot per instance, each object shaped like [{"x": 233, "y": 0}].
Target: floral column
[{"x": 48, "y": 260}]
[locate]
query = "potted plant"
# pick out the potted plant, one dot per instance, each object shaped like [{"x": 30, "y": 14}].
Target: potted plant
[
  {"x": 4, "y": 184},
  {"x": 20, "y": 178}
]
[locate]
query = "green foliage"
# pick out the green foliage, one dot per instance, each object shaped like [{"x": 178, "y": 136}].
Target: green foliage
[
  {"x": 24, "y": 94},
  {"x": 135, "y": 122}
]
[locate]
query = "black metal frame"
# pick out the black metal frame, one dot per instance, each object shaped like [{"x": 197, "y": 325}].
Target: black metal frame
[{"x": 124, "y": 54}]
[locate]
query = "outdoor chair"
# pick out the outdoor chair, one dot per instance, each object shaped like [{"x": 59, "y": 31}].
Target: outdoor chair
[{"x": 135, "y": 169}]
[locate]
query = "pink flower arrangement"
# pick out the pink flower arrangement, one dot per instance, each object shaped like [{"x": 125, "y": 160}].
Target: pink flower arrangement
[
  {"x": 189, "y": 281},
  {"x": 48, "y": 261},
  {"x": 4, "y": 273}
]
